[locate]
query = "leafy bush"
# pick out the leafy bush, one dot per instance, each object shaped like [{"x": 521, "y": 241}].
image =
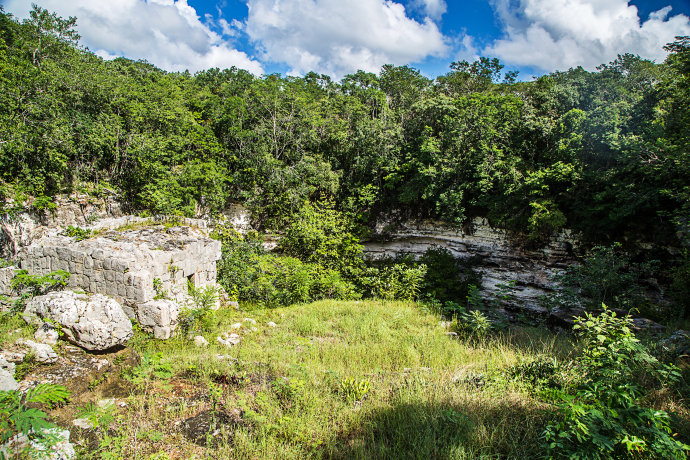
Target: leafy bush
[
  {"x": 605, "y": 418},
  {"x": 471, "y": 325},
  {"x": 446, "y": 278},
  {"x": 274, "y": 280},
  {"x": 200, "y": 316},
  {"x": 320, "y": 234},
  {"x": 398, "y": 281},
  {"x": 40, "y": 284},
  {"x": 607, "y": 275},
  {"x": 18, "y": 418},
  {"x": 77, "y": 233}
]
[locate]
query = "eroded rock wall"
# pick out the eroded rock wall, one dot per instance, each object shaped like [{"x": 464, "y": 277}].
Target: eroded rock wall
[
  {"x": 20, "y": 229},
  {"x": 499, "y": 258}
]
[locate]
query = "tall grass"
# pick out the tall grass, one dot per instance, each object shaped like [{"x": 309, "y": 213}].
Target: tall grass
[{"x": 431, "y": 396}]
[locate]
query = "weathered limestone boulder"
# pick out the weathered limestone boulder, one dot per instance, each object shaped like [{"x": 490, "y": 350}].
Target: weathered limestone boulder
[
  {"x": 43, "y": 352},
  {"x": 160, "y": 315},
  {"x": 6, "y": 276},
  {"x": 94, "y": 322},
  {"x": 47, "y": 333},
  {"x": 7, "y": 382},
  {"x": 59, "y": 449}
]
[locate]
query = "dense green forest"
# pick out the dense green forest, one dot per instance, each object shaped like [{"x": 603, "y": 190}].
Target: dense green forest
[{"x": 604, "y": 153}]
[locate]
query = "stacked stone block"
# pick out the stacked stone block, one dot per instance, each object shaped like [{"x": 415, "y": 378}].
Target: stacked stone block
[{"x": 133, "y": 266}]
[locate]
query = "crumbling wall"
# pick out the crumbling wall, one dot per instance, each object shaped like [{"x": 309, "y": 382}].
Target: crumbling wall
[
  {"x": 19, "y": 229},
  {"x": 133, "y": 266}
]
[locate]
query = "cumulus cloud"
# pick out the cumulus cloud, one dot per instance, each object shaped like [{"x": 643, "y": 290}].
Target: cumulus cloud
[
  {"x": 337, "y": 37},
  {"x": 432, "y": 8},
  {"x": 167, "y": 33},
  {"x": 559, "y": 34}
]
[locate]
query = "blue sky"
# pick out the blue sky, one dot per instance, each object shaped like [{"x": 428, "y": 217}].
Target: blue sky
[{"x": 338, "y": 37}]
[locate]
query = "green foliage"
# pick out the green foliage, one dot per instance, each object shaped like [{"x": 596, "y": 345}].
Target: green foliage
[
  {"x": 152, "y": 366},
  {"x": 353, "y": 390},
  {"x": 19, "y": 415},
  {"x": 200, "y": 316},
  {"x": 98, "y": 416},
  {"x": 320, "y": 234},
  {"x": 273, "y": 280},
  {"x": 446, "y": 278},
  {"x": 605, "y": 417},
  {"x": 473, "y": 325},
  {"x": 680, "y": 283},
  {"x": 40, "y": 284},
  {"x": 397, "y": 281},
  {"x": 77, "y": 233},
  {"x": 607, "y": 275}
]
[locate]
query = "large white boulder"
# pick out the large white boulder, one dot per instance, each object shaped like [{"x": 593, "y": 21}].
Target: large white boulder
[
  {"x": 92, "y": 321},
  {"x": 7, "y": 382}
]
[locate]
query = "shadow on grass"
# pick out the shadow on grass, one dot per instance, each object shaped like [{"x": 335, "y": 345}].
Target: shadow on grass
[{"x": 471, "y": 429}]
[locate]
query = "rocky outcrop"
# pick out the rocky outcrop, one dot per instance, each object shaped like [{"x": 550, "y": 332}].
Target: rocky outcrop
[
  {"x": 499, "y": 258},
  {"x": 160, "y": 316},
  {"x": 6, "y": 276},
  {"x": 94, "y": 322},
  {"x": 20, "y": 228}
]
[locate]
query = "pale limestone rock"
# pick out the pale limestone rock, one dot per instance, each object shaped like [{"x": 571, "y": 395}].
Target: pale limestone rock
[
  {"x": 7, "y": 382},
  {"x": 47, "y": 333},
  {"x": 6, "y": 276},
  {"x": 44, "y": 353},
  {"x": 160, "y": 315},
  {"x": 200, "y": 341},
  {"x": 228, "y": 340},
  {"x": 272, "y": 324},
  {"x": 82, "y": 423},
  {"x": 236, "y": 326},
  {"x": 249, "y": 320},
  {"x": 7, "y": 365},
  {"x": 94, "y": 322},
  {"x": 61, "y": 450}
]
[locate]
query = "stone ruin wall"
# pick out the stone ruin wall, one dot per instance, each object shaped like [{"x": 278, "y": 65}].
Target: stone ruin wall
[{"x": 123, "y": 265}]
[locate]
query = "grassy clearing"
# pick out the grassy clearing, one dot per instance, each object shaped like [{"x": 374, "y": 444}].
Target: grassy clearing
[{"x": 334, "y": 380}]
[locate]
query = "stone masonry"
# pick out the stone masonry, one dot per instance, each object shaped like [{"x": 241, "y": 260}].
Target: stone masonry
[{"x": 136, "y": 266}]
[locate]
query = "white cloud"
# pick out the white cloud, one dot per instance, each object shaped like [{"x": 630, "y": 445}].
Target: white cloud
[
  {"x": 336, "y": 37},
  {"x": 559, "y": 34},
  {"x": 167, "y": 33},
  {"x": 435, "y": 9}
]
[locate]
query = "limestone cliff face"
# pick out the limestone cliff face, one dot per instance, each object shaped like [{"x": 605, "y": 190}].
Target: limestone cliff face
[
  {"x": 499, "y": 258},
  {"x": 21, "y": 229}
]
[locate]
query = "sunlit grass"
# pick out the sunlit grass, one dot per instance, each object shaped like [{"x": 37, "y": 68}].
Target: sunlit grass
[{"x": 431, "y": 396}]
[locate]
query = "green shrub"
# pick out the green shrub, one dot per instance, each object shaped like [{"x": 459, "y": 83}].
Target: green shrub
[
  {"x": 19, "y": 416},
  {"x": 604, "y": 418},
  {"x": 446, "y": 278},
  {"x": 40, "y": 284},
  {"x": 77, "y": 233},
  {"x": 398, "y": 281},
  {"x": 274, "y": 280},
  {"x": 471, "y": 325},
  {"x": 607, "y": 275},
  {"x": 320, "y": 234}
]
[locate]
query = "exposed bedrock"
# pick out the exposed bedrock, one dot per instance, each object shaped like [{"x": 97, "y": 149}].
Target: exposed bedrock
[{"x": 498, "y": 258}]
